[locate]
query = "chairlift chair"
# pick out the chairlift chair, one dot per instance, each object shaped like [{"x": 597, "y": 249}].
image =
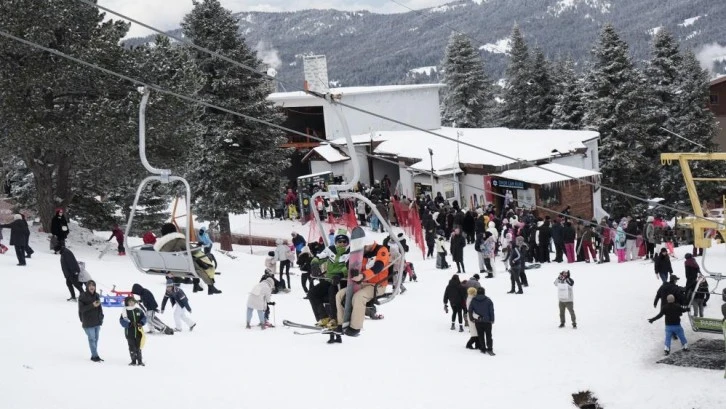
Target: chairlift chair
[
  {"x": 144, "y": 257},
  {"x": 704, "y": 324}
]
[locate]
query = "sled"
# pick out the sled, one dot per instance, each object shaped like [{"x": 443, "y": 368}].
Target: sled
[{"x": 143, "y": 339}]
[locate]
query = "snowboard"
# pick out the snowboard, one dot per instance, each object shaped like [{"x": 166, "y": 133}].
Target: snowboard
[{"x": 355, "y": 265}]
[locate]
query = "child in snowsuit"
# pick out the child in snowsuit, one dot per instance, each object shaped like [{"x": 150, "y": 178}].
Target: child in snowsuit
[
  {"x": 133, "y": 320},
  {"x": 180, "y": 302},
  {"x": 119, "y": 235},
  {"x": 258, "y": 300}
]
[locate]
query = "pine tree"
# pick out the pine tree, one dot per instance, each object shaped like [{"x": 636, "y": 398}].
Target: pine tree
[
  {"x": 661, "y": 75},
  {"x": 513, "y": 111},
  {"x": 569, "y": 108},
  {"x": 615, "y": 100},
  {"x": 467, "y": 98},
  {"x": 542, "y": 95},
  {"x": 238, "y": 164},
  {"x": 64, "y": 121}
]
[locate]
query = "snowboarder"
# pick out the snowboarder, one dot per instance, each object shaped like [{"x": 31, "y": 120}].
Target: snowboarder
[
  {"x": 672, "y": 312},
  {"x": 258, "y": 300},
  {"x": 564, "y": 285},
  {"x": 333, "y": 261},
  {"x": 455, "y": 294},
  {"x": 119, "y": 235},
  {"x": 90, "y": 313},
  {"x": 458, "y": 242},
  {"x": 133, "y": 320},
  {"x": 59, "y": 229},
  {"x": 662, "y": 265},
  {"x": 180, "y": 302},
  {"x": 374, "y": 276},
  {"x": 19, "y": 236},
  {"x": 481, "y": 313}
]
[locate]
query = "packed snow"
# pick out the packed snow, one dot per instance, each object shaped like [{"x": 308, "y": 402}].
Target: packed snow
[
  {"x": 562, "y": 6},
  {"x": 689, "y": 21},
  {"x": 410, "y": 359},
  {"x": 430, "y": 70}
]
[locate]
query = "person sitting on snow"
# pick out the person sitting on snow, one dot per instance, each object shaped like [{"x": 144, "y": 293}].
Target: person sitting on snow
[
  {"x": 173, "y": 241},
  {"x": 374, "y": 274}
]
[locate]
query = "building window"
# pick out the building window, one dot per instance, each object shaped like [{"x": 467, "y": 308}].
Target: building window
[
  {"x": 714, "y": 99},
  {"x": 549, "y": 195}
]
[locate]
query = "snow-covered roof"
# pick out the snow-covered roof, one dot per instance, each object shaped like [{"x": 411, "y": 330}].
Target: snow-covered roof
[
  {"x": 718, "y": 80},
  {"x": 328, "y": 153},
  {"x": 518, "y": 145},
  {"x": 544, "y": 174},
  {"x": 380, "y": 89}
]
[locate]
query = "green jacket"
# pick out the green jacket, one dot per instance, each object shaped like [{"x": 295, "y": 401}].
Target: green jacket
[{"x": 336, "y": 261}]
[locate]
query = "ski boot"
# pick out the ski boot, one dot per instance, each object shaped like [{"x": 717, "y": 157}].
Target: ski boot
[
  {"x": 197, "y": 288},
  {"x": 461, "y": 328},
  {"x": 335, "y": 337},
  {"x": 211, "y": 289},
  {"x": 138, "y": 356},
  {"x": 133, "y": 358}
]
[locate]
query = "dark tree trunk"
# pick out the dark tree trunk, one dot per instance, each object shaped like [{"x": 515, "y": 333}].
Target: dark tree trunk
[
  {"x": 225, "y": 233},
  {"x": 52, "y": 188}
]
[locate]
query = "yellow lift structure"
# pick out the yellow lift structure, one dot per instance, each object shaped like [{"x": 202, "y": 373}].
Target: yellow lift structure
[{"x": 700, "y": 226}]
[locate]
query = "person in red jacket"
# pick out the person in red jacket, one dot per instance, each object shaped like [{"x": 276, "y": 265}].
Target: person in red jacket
[
  {"x": 374, "y": 275},
  {"x": 119, "y": 235}
]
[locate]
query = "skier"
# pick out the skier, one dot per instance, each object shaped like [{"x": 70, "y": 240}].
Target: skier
[
  {"x": 588, "y": 237},
  {"x": 564, "y": 285},
  {"x": 373, "y": 278},
  {"x": 361, "y": 211},
  {"x": 180, "y": 302},
  {"x": 662, "y": 266},
  {"x": 90, "y": 313},
  {"x": 458, "y": 242},
  {"x": 441, "y": 262},
  {"x": 333, "y": 260},
  {"x": 473, "y": 342},
  {"x": 150, "y": 305},
  {"x": 672, "y": 312},
  {"x": 133, "y": 320},
  {"x": 71, "y": 270},
  {"x": 19, "y": 236},
  {"x": 59, "y": 229},
  {"x": 207, "y": 245},
  {"x": 173, "y": 241},
  {"x": 259, "y": 299},
  {"x": 631, "y": 249},
  {"x": 455, "y": 294},
  {"x": 282, "y": 255},
  {"x": 605, "y": 242},
  {"x": 481, "y": 313},
  {"x": 119, "y": 235}
]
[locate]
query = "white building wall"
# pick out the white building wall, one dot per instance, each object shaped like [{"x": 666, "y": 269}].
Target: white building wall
[
  {"x": 471, "y": 185},
  {"x": 319, "y": 166}
]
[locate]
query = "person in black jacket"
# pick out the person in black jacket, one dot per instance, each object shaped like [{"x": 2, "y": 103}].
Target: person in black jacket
[
  {"x": 662, "y": 265},
  {"x": 19, "y": 236},
  {"x": 148, "y": 301},
  {"x": 133, "y": 320},
  {"x": 669, "y": 288},
  {"x": 59, "y": 227},
  {"x": 692, "y": 272},
  {"x": 458, "y": 242},
  {"x": 430, "y": 228},
  {"x": 545, "y": 235},
  {"x": 303, "y": 262},
  {"x": 90, "y": 312},
  {"x": 558, "y": 238},
  {"x": 71, "y": 269},
  {"x": 481, "y": 313},
  {"x": 28, "y": 251},
  {"x": 672, "y": 313},
  {"x": 455, "y": 294},
  {"x": 516, "y": 264},
  {"x": 467, "y": 226}
]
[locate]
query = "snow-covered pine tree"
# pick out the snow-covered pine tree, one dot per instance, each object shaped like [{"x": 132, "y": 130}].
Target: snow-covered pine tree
[
  {"x": 569, "y": 108},
  {"x": 467, "y": 98},
  {"x": 63, "y": 120},
  {"x": 542, "y": 96},
  {"x": 693, "y": 120},
  {"x": 513, "y": 111},
  {"x": 615, "y": 100},
  {"x": 238, "y": 163}
]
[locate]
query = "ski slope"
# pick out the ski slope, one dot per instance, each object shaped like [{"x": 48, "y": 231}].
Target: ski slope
[{"x": 408, "y": 360}]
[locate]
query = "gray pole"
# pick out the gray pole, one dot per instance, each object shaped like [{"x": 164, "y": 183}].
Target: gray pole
[{"x": 431, "y": 156}]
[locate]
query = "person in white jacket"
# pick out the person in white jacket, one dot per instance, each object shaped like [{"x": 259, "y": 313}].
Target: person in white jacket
[
  {"x": 258, "y": 300},
  {"x": 473, "y": 342},
  {"x": 282, "y": 255},
  {"x": 564, "y": 285}
]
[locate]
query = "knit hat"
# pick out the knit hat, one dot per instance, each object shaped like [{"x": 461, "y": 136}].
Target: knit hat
[
  {"x": 169, "y": 282},
  {"x": 671, "y": 298},
  {"x": 271, "y": 253},
  {"x": 17, "y": 217},
  {"x": 341, "y": 237}
]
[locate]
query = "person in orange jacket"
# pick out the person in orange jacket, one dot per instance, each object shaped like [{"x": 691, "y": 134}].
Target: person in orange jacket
[{"x": 375, "y": 274}]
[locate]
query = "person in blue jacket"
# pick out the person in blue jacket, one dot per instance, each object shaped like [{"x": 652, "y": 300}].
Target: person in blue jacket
[
  {"x": 481, "y": 312},
  {"x": 133, "y": 320},
  {"x": 207, "y": 243},
  {"x": 299, "y": 242},
  {"x": 180, "y": 302}
]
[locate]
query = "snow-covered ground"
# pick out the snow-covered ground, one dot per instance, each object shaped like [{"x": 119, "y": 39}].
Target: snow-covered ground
[{"x": 408, "y": 360}]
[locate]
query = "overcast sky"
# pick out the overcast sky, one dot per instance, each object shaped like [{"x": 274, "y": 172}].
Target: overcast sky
[{"x": 167, "y": 14}]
